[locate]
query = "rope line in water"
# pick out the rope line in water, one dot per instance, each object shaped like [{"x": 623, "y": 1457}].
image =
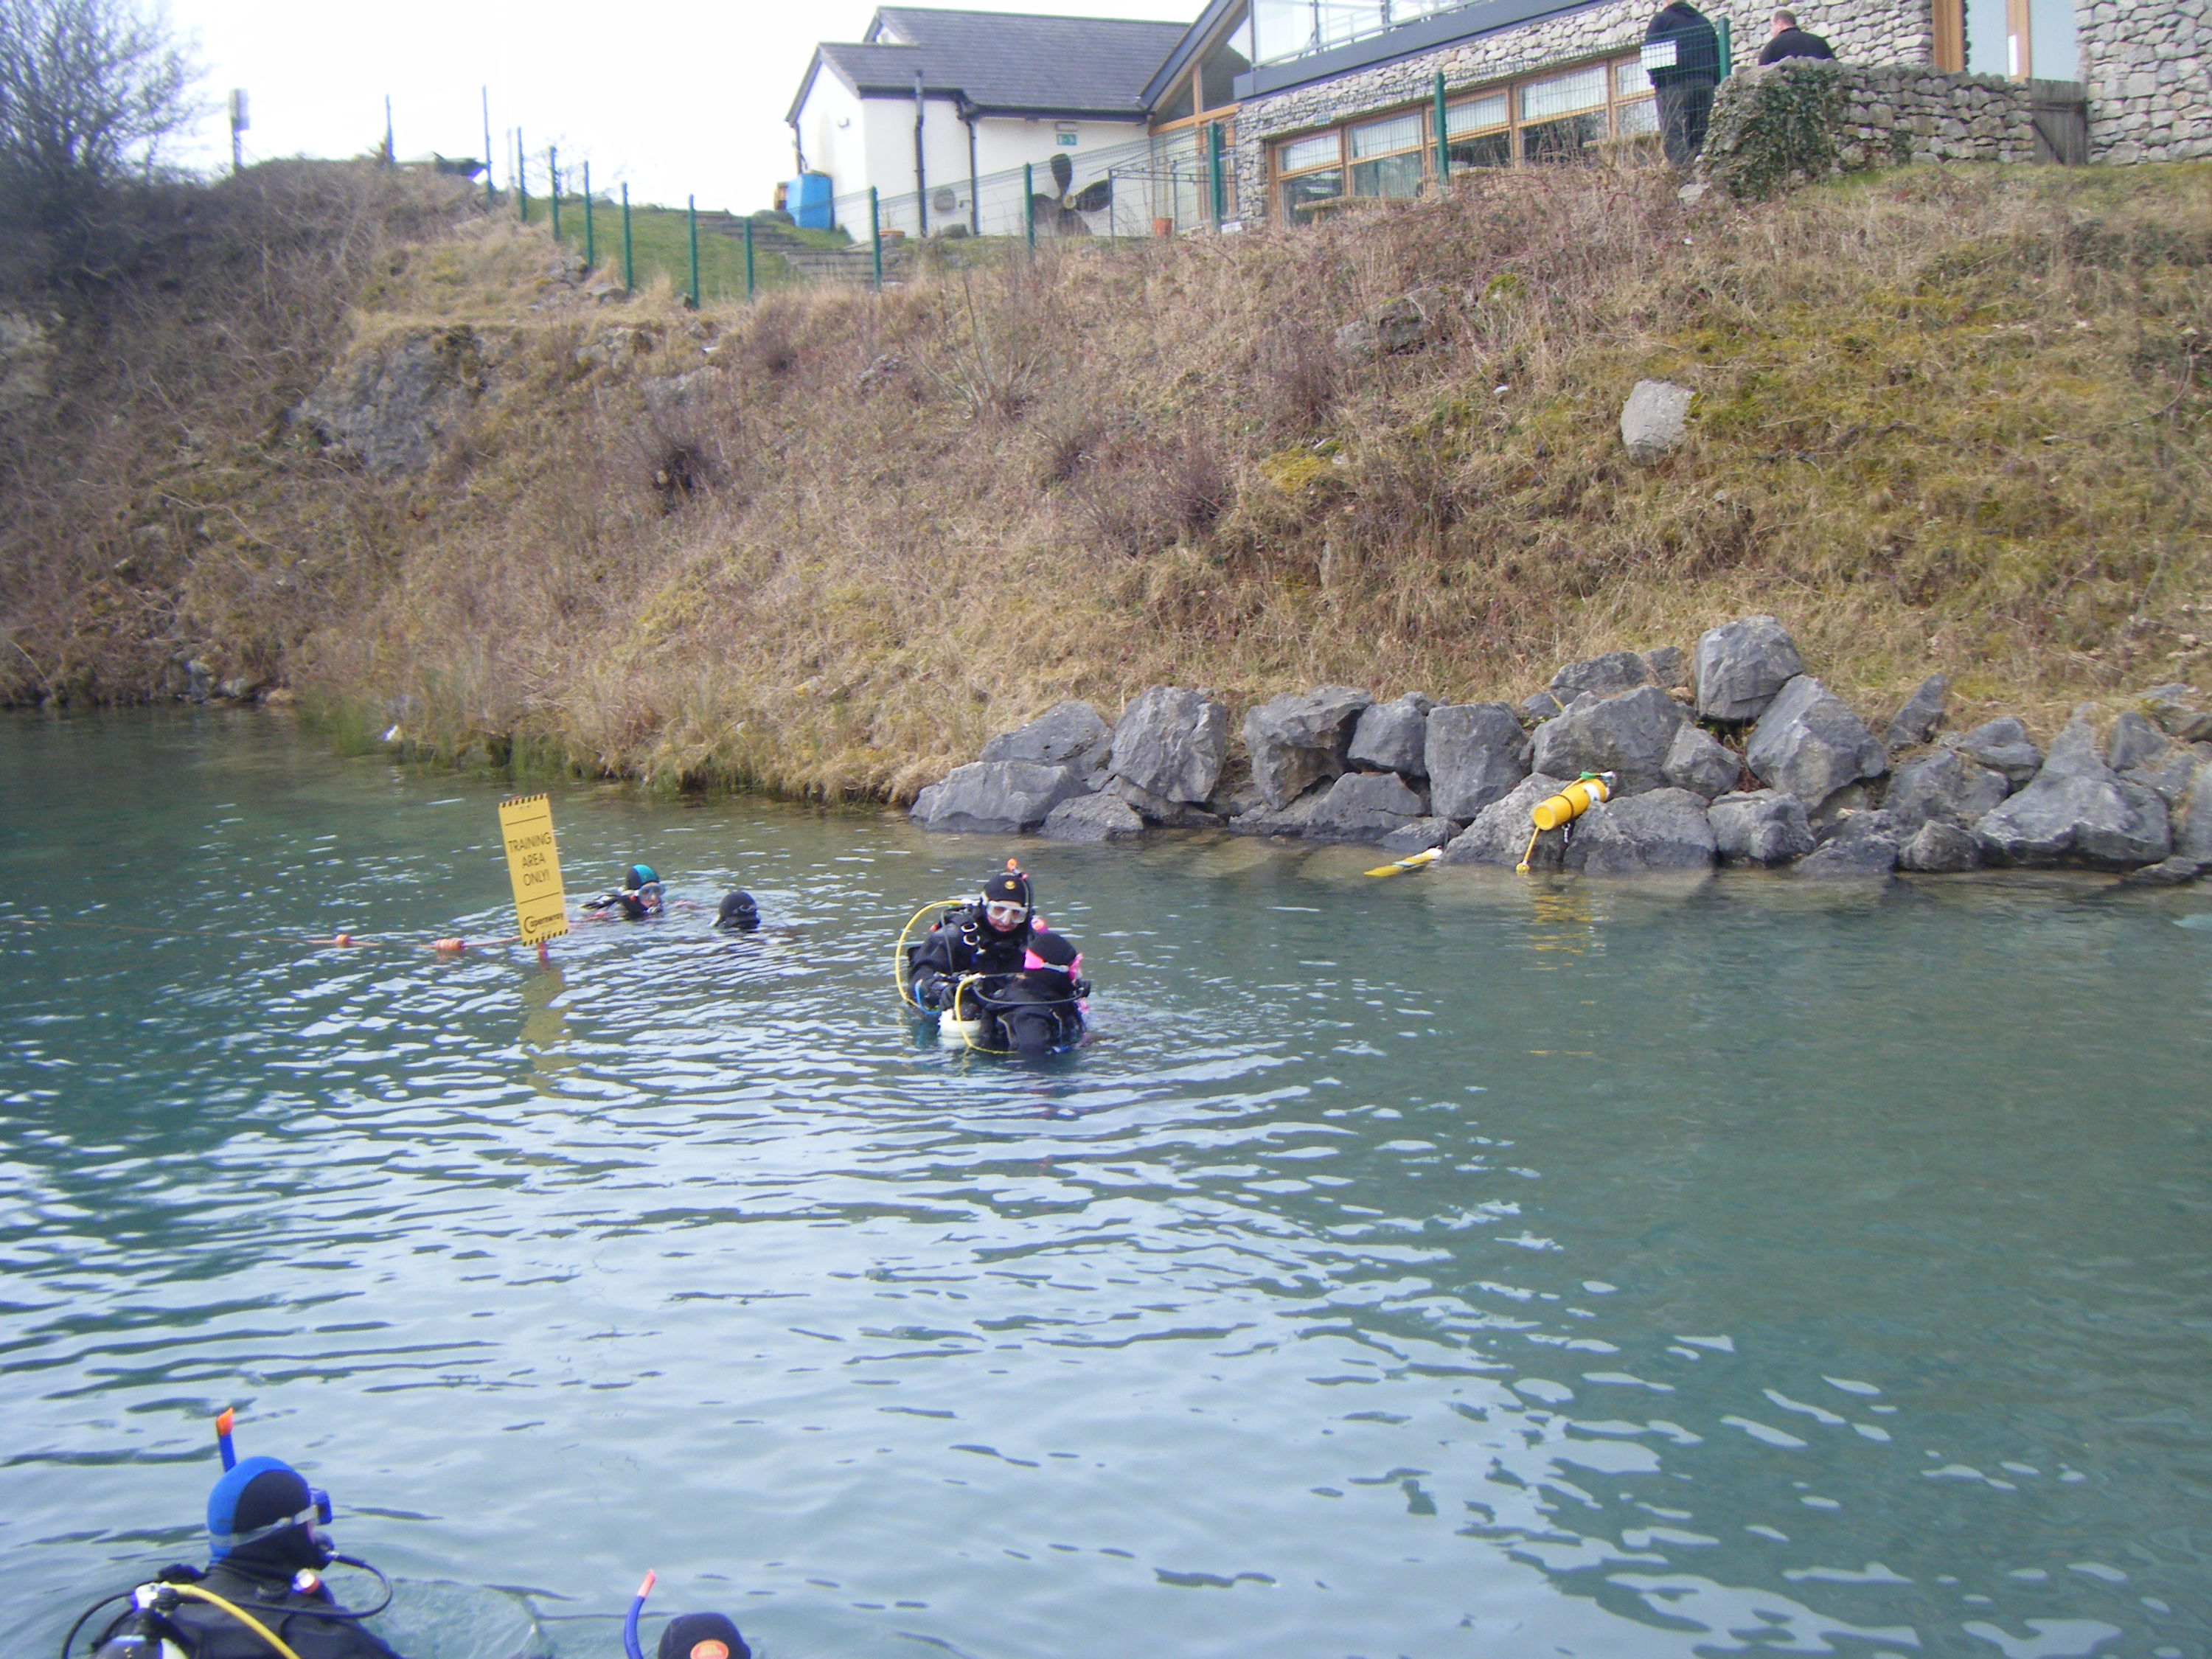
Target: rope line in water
[{"x": 344, "y": 941}]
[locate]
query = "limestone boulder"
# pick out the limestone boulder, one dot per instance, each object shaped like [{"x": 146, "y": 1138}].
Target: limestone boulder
[
  {"x": 1668, "y": 665},
  {"x": 1630, "y": 735},
  {"x": 2136, "y": 742},
  {"x": 1159, "y": 809},
  {"x": 1363, "y": 806},
  {"x": 1943, "y": 788},
  {"x": 2175, "y": 871},
  {"x": 1598, "y": 677},
  {"x": 2179, "y": 712},
  {"x": 1169, "y": 744},
  {"x": 995, "y": 797},
  {"x": 1474, "y": 753},
  {"x": 1864, "y": 844},
  {"x": 1500, "y": 831},
  {"x": 1654, "y": 422},
  {"x": 1939, "y": 846},
  {"x": 1808, "y": 744},
  {"x": 1700, "y": 762},
  {"x": 1631, "y": 835},
  {"x": 2195, "y": 840},
  {"x": 1760, "y": 827},
  {"x": 1917, "y": 722},
  {"x": 1741, "y": 667},
  {"x": 1066, "y": 734},
  {"x": 1094, "y": 819},
  {"x": 1393, "y": 737},
  {"x": 1420, "y": 835},
  {"x": 2002, "y": 745},
  {"x": 2078, "y": 810},
  {"x": 1300, "y": 739}
]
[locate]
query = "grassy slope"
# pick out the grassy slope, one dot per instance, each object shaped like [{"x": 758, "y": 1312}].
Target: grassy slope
[{"x": 1946, "y": 419}]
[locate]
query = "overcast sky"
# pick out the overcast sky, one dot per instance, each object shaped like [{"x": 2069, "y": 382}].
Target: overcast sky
[{"x": 674, "y": 99}]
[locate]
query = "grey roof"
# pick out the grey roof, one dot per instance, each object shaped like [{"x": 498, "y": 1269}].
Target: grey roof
[{"x": 1003, "y": 63}]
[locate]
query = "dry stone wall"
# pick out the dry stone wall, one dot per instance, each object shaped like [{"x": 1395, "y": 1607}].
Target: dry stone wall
[{"x": 2149, "y": 69}]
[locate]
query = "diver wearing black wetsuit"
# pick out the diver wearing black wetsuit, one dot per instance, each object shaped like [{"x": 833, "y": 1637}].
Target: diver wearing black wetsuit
[
  {"x": 265, "y": 1558},
  {"x": 1033, "y": 976},
  {"x": 640, "y": 895}
]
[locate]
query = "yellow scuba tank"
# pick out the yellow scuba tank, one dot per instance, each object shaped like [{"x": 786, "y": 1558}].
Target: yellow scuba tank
[{"x": 1569, "y": 803}]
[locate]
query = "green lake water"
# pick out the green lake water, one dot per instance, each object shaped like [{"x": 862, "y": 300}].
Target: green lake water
[{"x": 1455, "y": 1265}]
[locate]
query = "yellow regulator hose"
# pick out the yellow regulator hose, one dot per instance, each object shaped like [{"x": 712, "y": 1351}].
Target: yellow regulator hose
[{"x": 239, "y": 1613}]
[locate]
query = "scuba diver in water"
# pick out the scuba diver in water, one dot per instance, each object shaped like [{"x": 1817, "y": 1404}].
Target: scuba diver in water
[
  {"x": 702, "y": 1636},
  {"x": 738, "y": 913},
  {"x": 1029, "y": 993},
  {"x": 640, "y": 895},
  {"x": 263, "y": 1578}
]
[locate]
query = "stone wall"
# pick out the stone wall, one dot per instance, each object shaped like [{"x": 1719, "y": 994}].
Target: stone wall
[
  {"x": 2149, "y": 69},
  {"x": 1883, "y": 32}
]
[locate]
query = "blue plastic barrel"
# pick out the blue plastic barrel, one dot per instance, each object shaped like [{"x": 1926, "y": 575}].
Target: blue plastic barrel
[{"x": 808, "y": 202}]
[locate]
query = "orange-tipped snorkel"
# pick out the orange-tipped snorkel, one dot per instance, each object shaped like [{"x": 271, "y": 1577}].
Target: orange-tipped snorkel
[
  {"x": 630, "y": 1623},
  {"x": 223, "y": 1420}
]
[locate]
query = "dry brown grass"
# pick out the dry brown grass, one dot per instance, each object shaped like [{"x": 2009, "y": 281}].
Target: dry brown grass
[{"x": 1948, "y": 420}]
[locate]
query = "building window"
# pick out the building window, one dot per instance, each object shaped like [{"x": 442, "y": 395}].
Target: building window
[
  {"x": 1480, "y": 132},
  {"x": 1386, "y": 156},
  {"x": 1219, "y": 70},
  {"x": 1563, "y": 115},
  {"x": 1312, "y": 174}
]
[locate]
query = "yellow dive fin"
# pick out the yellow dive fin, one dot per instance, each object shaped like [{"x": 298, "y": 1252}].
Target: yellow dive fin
[{"x": 1412, "y": 863}]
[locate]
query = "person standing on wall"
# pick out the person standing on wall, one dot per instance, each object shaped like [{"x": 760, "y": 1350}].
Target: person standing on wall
[
  {"x": 1788, "y": 40},
  {"x": 1682, "y": 55}
]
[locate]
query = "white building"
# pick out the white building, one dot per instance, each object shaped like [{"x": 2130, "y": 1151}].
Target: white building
[{"x": 930, "y": 101}]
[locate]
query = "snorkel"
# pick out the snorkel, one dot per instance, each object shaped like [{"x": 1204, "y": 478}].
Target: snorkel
[{"x": 630, "y": 1623}]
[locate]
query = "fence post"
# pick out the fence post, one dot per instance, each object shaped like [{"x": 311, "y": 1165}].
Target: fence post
[
  {"x": 521, "y": 177},
  {"x": 553, "y": 184},
  {"x": 629, "y": 270},
  {"x": 691, "y": 216},
  {"x": 749, "y": 258},
  {"x": 875, "y": 234},
  {"x": 492, "y": 196},
  {"x": 591, "y": 248},
  {"x": 1029, "y": 206},
  {"x": 1443, "y": 138},
  {"x": 1213, "y": 171},
  {"x": 1727, "y": 44}
]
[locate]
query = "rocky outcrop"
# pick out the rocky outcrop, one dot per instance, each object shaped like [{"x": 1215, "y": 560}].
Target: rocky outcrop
[
  {"x": 1093, "y": 818},
  {"x": 27, "y": 355},
  {"x": 1668, "y": 667},
  {"x": 1741, "y": 667},
  {"x": 1599, "y": 677},
  {"x": 1406, "y": 323},
  {"x": 1170, "y": 745},
  {"x": 1420, "y": 835},
  {"x": 2002, "y": 745},
  {"x": 1299, "y": 740},
  {"x": 1939, "y": 846},
  {"x": 995, "y": 797},
  {"x": 2077, "y": 811},
  {"x": 390, "y": 408},
  {"x": 1363, "y": 806},
  {"x": 2177, "y": 711},
  {"x": 1808, "y": 744},
  {"x": 1066, "y": 734},
  {"x": 1393, "y": 737},
  {"x": 1760, "y": 827},
  {"x": 1500, "y": 831},
  {"x": 1700, "y": 762},
  {"x": 2195, "y": 840},
  {"x": 1630, "y": 735},
  {"x": 1474, "y": 752},
  {"x": 1917, "y": 722},
  {"x": 1633, "y": 834},
  {"x": 1654, "y": 419},
  {"x": 1942, "y": 787},
  {"x": 1864, "y": 844}
]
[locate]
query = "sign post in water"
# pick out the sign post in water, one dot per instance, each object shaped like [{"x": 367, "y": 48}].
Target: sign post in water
[{"x": 533, "y": 862}]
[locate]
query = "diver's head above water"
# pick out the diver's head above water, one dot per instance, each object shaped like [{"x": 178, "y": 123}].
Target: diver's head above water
[
  {"x": 738, "y": 913},
  {"x": 264, "y": 1514},
  {"x": 1008, "y": 904},
  {"x": 702, "y": 1636}
]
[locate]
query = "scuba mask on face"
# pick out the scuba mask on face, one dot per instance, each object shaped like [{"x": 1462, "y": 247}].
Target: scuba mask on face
[{"x": 259, "y": 1498}]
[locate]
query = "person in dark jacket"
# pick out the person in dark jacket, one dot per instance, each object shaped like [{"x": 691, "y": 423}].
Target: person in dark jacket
[
  {"x": 265, "y": 1558},
  {"x": 1788, "y": 40},
  {"x": 1029, "y": 996},
  {"x": 639, "y": 895},
  {"x": 1682, "y": 55}
]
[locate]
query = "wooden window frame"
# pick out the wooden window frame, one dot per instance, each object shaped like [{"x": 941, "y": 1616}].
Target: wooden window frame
[{"x": 1509, "y": 87}]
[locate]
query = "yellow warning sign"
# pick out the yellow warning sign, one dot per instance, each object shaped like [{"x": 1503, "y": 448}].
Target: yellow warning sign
[{"x": 541, "y": 907}]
